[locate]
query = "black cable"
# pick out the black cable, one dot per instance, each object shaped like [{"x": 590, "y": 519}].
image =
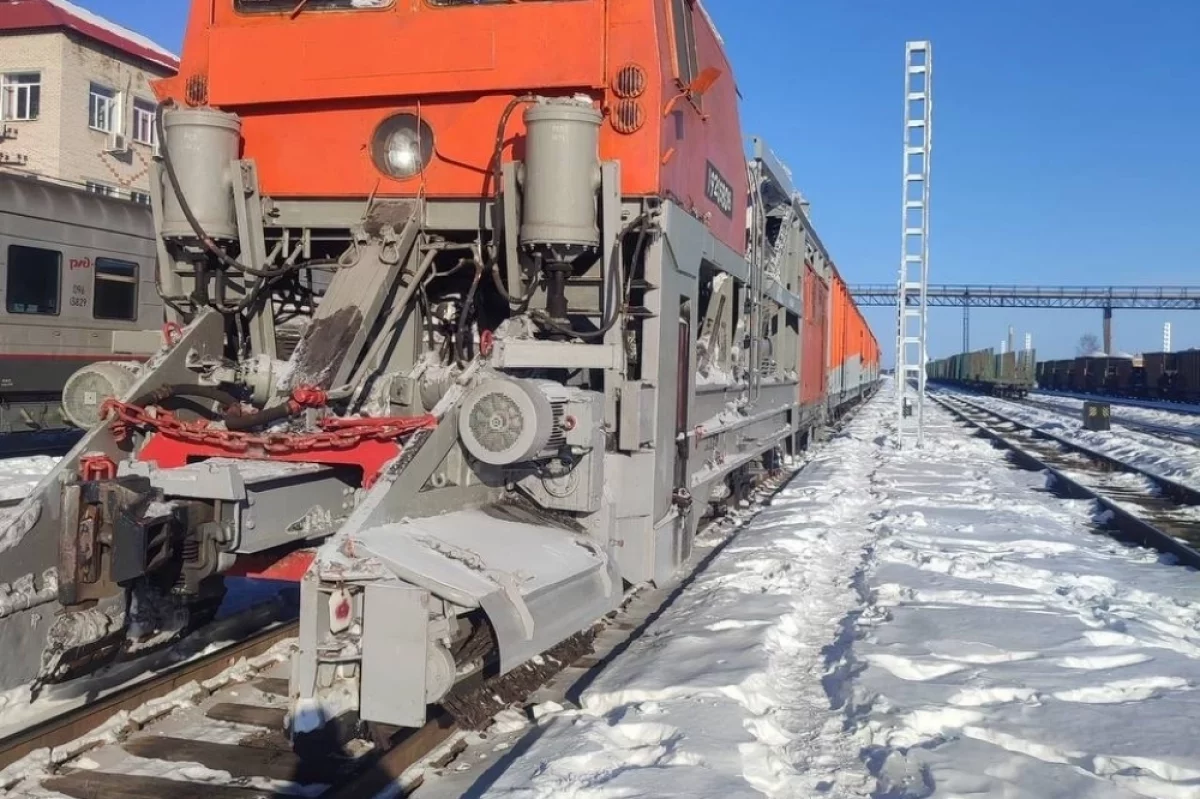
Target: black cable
[
  {"x": 194, "y": 223},
  {"x": 260, "y": 418},
  {"x": 622, "y": 291},
  {"x": 462, "y": 317},
  {"x": 163, "y": 393}
]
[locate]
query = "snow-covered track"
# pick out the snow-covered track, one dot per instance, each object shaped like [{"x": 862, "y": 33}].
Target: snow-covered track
[
  {"x": 1132, "y": 402},
  {"x": 207, "y": 760},
  {"x": 65, "y": 727},
  {"x": 1143, "y": 507},
  {"x": 1175, "y": 434}
]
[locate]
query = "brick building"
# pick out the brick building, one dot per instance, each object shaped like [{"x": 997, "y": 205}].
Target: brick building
[{"x": 75, "y": 98}]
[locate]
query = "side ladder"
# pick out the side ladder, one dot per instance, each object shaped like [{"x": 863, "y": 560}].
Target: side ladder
[{"x": 912, "y": 307}]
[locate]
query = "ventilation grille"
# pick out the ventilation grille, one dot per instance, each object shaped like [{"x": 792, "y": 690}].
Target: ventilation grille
[
  {"x": 629, "y": 82},
  {"x": 628, "y": 116},
  {"x": 496, "y": 422},
  {"x": 196, "y": 92},
  {"x": 558, "y": 438}
]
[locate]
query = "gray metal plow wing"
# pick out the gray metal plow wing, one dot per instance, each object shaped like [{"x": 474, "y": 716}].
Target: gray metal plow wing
[{"x": 537, "y": 584}]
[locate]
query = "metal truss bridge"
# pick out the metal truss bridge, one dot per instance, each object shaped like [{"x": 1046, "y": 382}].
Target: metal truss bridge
[
  {"x": 1170, "y": 298},
  {"x": 1115, "y": 297}
]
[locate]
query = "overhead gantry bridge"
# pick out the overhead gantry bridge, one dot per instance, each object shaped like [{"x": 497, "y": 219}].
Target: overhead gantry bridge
[{"x": 1107, "y": 299}]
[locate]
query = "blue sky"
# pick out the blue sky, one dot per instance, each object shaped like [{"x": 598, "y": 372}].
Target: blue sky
[{"x": 1066, "y": 133}]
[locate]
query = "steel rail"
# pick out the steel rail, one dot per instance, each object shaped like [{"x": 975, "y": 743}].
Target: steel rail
[
  {"x": 1191, "y": 438},
  {"x": 1133, "y": 527},
  {"x": 407, "y": 748},
  {"x": 1166, "y": 405},
  {"x": 72, "y": 724}
]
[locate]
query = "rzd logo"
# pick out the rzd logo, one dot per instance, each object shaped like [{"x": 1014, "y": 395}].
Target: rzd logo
[{"x": 719, "y": 191}]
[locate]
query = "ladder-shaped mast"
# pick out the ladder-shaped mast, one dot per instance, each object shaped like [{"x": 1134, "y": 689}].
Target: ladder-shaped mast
[{"x": 911, "y": 351}]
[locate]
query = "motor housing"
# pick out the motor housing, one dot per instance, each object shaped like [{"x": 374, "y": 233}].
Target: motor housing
[
  {"x": 86, "y": 390},
  {"x": 506, "y": 421}
]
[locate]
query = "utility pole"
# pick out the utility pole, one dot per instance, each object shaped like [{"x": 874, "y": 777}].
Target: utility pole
[{"x": 1166, "y": 337}]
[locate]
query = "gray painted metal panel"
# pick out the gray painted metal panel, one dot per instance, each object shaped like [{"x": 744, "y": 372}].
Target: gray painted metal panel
[{"x": 395, "y": 642}]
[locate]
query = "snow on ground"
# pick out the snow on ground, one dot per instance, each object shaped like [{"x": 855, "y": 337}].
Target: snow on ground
[
  {"x": 1180, "y": 462},
  {"x": 898, "y": 625},
  {"x": 1180, "y": 408},
  {"x": 1189, "y": 422},
  {"x": 19, "y": 476}
]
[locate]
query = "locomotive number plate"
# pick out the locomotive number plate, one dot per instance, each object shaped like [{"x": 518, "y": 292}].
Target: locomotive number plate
[{"x": 717, "y": 188}]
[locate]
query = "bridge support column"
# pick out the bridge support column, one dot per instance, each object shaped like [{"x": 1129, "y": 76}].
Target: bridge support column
[
  {"x": 1108, "y": 341},
  {"x": 966, "y": 347}
]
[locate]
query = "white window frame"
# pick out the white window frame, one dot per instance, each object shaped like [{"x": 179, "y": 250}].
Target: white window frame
[
  {"x": 144, "y": 113},
  {"x": 12, "y": 87},
  {"x": 103, "y": 189},
  {"x": 103, "y": 108},
  {"x": 139, "y": 197}
]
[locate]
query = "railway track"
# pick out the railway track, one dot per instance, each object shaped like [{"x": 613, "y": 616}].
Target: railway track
[
  {"x": 1174, "y": 406},
  {"x": 233, "y": 726},
  {"x": 1144, "y": 507},
  {"x": 1166, "y": 432},
  {"x": 261, "y": 761}
]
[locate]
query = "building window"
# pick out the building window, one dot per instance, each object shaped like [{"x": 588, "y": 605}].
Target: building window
[
  {"x": 102, "y": 188},
  {"x": 33, "y": 280},
  {"x": 20, "y": 96},
  {"x": 115, "y": 290},
  {"x": 143, "y": 122},
  {"x": 140, "y": 197},
  {"x": 102, "y": 109}
]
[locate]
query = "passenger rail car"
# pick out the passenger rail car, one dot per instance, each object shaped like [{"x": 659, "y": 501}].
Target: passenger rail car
[
  {"x": 76, "y": 286},
  {"x": 547, "y": 313}
]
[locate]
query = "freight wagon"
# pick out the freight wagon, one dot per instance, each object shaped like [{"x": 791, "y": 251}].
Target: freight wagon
[
  {"x": 1171, "y": 376},
  {"x": 1009, "y": 374}
]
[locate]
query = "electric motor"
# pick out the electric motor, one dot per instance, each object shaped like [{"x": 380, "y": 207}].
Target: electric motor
[
  {"x": 505, "y": 421},
  {"x": 86, "y": 390}
]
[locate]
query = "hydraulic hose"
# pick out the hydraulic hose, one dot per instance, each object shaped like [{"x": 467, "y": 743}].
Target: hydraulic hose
[
  {"x": 163, "y": 393},
  {"x": 621, "y": 290},
  {"x": 211, "y": 246}
]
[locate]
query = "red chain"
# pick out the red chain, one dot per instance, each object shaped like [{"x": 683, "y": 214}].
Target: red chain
[{"x": 337, "y": 434}]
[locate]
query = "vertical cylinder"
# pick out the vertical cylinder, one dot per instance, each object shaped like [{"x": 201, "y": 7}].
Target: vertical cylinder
[
  {"x": 202, "y": 144},
  {"x": 561, "y": 175}
]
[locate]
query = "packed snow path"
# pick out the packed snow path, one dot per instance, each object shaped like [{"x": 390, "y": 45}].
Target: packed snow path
[{"x": 896, "y": 624}]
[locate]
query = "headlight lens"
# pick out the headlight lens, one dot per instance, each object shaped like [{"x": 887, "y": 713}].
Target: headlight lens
[{"x": 402, "y": 146}]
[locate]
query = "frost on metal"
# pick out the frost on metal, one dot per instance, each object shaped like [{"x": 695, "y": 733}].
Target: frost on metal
[
  {"x": 27, "y": 592},
  {"x": 15, "y": 524}
]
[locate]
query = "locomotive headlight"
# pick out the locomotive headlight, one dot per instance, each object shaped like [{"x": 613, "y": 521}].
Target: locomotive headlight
[{"x": 402, "y": 146}]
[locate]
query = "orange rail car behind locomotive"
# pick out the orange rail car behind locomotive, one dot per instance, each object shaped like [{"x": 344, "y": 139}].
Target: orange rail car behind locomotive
[{"x": 313, "y": 86}]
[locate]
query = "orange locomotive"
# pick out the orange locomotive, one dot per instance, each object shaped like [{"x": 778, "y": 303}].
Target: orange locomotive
[{"x": 481, "y": 309}]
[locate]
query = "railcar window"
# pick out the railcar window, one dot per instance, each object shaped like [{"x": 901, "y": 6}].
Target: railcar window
[
  {"x": 34, "y": 276},
  {"x": 275, "y": 6},
  {"x": 115, "y": 293},
  {"x": 686, "y": 62}
]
